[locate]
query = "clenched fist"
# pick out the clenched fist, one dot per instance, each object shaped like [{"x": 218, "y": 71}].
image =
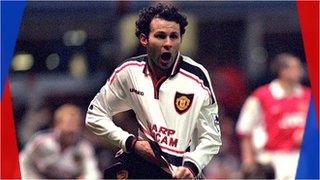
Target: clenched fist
[{"x": 183, "y": 173}]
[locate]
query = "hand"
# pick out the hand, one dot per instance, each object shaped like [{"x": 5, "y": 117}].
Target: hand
[
  {"x": 182, "y": 173},
  {"x": 249, "y": 166},
  {"x": 249, "y": 169},
  {"x": 248, "y": 161},
  {"x": 144, "y": 149}
]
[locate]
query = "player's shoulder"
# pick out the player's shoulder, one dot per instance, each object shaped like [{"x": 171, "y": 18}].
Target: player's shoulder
[
  {"x": 43, "y": 135},
  {"x": 135, "y": 61},
  {"x": 263, "y": 88},
  {"x": 43, "y": 139},
  {"x": 84, "y": 144},
  {"x": 140, "y": 58},
  {"x": 189, "y": 67},
  {"x": 191, "y": 64},
  {"x": 130, "y": 64},
  {"x": 262, "y": 91},
  {"x": 195, "y": 68}
]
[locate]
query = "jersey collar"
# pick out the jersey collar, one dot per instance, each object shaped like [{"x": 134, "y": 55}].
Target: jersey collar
[
  {"x": 278, "y": 92},
  {"x": 175, "y": 69}
]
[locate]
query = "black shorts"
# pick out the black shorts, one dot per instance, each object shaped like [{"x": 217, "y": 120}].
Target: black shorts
[{"x": 136, "y": 168}]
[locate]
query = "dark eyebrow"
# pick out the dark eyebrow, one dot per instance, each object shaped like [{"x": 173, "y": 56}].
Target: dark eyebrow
[
  {"x": 160, "y": 32},
  {"x": 174, "y": 33}
]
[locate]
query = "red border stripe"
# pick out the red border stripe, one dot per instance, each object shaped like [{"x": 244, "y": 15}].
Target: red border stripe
[
  {"x": 309, "y": 23},
  {"x": 198, "y": 81},
  {"x": 121, "y": 68},
  {"x": 10, "y": 168}
]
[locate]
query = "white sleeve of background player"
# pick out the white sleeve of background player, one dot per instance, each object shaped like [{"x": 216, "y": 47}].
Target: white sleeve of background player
[
  {"x": 90, "y": 164},
  {"x": 26, "y": 156},
  {"x": 249, "y": 117},
  {"x": 208, "y": 136},
  {"x": 37, "y": 155},
  {"x": 108, "y": 102}
]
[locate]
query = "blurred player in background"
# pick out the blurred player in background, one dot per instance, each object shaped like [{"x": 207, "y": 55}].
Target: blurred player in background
[
  {"x": 60, "y": 152},
  {"x": 272, "y": 120},
  {"x": 172, "y": 98}
]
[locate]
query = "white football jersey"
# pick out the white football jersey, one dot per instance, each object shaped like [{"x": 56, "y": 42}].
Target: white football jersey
[
  {"x": 179, "y": 112},
  {"x": 42, "y": 158}
]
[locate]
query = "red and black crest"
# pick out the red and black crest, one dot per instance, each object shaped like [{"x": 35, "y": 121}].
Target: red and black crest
[{"x": 182, "y": 102}]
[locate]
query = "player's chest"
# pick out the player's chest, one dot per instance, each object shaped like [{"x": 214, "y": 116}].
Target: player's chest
[
  {"x": 168, "y": 93},
  {"x": 282, "y": 106}
]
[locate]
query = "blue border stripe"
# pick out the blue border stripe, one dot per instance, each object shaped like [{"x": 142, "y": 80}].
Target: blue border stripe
[
  {"x": 308, "y": 167},
  {"x": 11, "y": 13}
]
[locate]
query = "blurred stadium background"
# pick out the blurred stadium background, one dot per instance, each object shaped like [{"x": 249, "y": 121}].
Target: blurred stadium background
[{"x": 66, "y": 51}]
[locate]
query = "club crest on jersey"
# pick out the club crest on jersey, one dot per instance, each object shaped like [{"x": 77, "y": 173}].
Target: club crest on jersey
[{"x": 182, "y": 102}]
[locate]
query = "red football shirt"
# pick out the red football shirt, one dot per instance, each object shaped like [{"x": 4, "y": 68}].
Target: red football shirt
[{"x": 282, "y": 117}]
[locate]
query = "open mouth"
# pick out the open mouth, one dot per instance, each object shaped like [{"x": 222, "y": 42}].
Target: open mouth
[{"x": 166, "y": 56}]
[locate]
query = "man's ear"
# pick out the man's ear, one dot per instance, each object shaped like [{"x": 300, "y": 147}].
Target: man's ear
[{"x": 143, "y": 40}]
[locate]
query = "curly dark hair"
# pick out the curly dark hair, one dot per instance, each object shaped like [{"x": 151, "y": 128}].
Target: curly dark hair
[{"x": 164, "y": 11}]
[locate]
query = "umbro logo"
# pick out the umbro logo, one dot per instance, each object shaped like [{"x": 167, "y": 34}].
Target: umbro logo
[{"x": 136, "y": 91}]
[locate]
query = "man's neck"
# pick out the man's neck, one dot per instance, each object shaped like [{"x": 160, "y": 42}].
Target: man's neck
[
  {"x": 157, "y": 72},
  {"x": 287, "y": 86}
]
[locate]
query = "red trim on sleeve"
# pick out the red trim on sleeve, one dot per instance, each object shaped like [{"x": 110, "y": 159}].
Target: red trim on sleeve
[{"x": 121, "y": 68}]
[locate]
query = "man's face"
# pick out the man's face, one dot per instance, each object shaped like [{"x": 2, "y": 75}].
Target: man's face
[
  {"x": 68, "y": 128},
  {"x": 293, "y": 71},
  {"x": 163, "y": 42}
]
